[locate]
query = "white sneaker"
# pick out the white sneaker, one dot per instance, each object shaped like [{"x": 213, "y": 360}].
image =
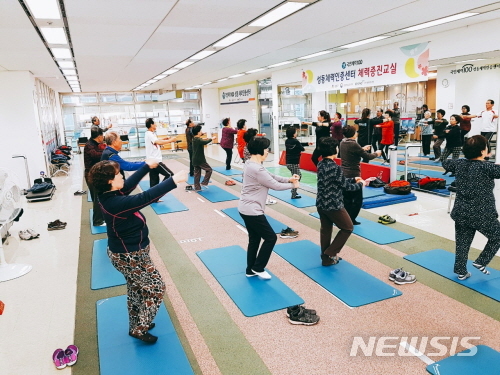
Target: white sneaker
[
  {"x": 263, "y": 275},
  {"x": 103, "y": 224},
  {"x": 270, "y": 201},
  {"x": 33, "y": 233}
]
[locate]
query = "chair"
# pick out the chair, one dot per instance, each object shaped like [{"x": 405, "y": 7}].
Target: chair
[
  {"x": 453, "y": 193},
  {"x": 177, "y": 148},
  {"x": 56, "y": 167},
  {"x": 81, "y": 143},
  {"x": 125, "y": 141}
]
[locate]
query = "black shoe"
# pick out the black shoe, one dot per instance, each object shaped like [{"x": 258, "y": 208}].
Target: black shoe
[
  {"x": 147, "y": 337},
  {"x": 151, "y": 326},
  {"x": 297, "y": 197},
  {"x": 445, "y": 173},
  {"x": 228, "y": 169},
  {"x": 354, "y": 222},
  {"x": 432, "y": 158}
]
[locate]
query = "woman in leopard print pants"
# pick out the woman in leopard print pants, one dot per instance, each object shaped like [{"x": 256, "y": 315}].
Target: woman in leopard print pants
[{"x": 128, "y": 242}]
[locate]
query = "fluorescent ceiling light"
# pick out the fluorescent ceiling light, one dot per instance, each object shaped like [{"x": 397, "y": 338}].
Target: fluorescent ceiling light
[
  {"x": 44, "y": 9},
  {"x": 197, "y": 86},
  {"x": 314, "y": 55},
  {"x": 440, "y": 21},
  {"x": 152, "y": 81},
  {"x": 61, "y": 53},
  {"x": 54, "y": 35},
  {"x": 361, "y": 42},
  {"x": 170, "y": 71},
  {"x": 77, "y": 90},
  {"x": 161, "y": 76},
  {"x": 184, "y": 64},
  {"x": 279, "y": 64},
  {"x": 66, "y": 64},
  {"x": 223, "y": 79},
  {"x": 230, "y": 39},
  {"x": 458, "y": 62},
  {"x": 71, "y": 81},
  {"x": 236, "y": 75},
  {"x": 278, "y": 13},
  {"x": 201, "y": 55},
  {"x": 69, "y": 72},
  {"x": 188, "y": 88},
  {"x": 72, "y": 78},
  {"x": 207, "y": 83},
  {"x": 255, "y": 70}
]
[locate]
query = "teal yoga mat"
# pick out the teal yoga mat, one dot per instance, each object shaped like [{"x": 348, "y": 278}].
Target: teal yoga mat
[
  {"x": 104, "y": 275},
  {"x": 286, "y": 196},
  {"x": 215, "y": 194},
  {"x": 477, "y": 360},
  {"x": 169, "y": 205},
  {"x": 345, "y": 281},
  {"x": 235, "y": 215},
  {"x": 122, "y": 354},
  {"x": 441, "y": 262},
  {"x": 231, "y": 172},
  {"x": 370, "y": 192},
  {"x": 252, "y": 295},
  {"x": 375, "y": 232},
  {"x": 94, "y": 229}
]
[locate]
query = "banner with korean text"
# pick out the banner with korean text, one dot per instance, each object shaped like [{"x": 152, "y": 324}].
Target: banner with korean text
[
  {"x": 237, "y": 94},
  {"x": 369, "y": 68}
]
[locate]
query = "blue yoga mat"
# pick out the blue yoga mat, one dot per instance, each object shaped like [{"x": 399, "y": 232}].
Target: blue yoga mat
[
  {"x": 238, "y": 178},
  {"x": 235, "y": 215},
  {"x": 286, "y": 196},
  {"x": 400, "y": 168},
  {"x": 481, "y": 360},
  {"x": 370, "y": 192},
  {"x": 230, "y": 172},
  {"x": 190, "y": 180},
  {"x": 121, "y": 354},
  {"x": 215, "y": 194},
  {"x": 104, "y": 275},
  {"x": 93, "y": 229},
  {"x": 426, "y": 162},
  {"x": 169, "y": 205},
  {"x": 387, "y": 200},
  {"x": 347, "y": 282},
  {"x": 375, "y": 232},
  {"x": 252, "y": 295},
  {"x": 441, "y": 262}
]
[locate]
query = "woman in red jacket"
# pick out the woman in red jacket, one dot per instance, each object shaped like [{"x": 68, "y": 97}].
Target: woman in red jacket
[
  {"x": 242, "y": 129},
  {"x": 387, "y": 134}
]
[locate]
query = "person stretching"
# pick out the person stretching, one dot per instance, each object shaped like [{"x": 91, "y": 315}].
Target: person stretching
[
  {"x": 199, "y": 160},
  {"x": 227, "y": 140},
  {"x": 293, "y": 151}
]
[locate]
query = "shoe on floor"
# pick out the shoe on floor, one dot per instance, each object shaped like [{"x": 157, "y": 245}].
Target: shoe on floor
[
  {"x": 394, "y": 273},
  {"x": 71, "y": 355},
  {"x": 327, "y": 260},
  {"x": 463, "y": 277},
  {"x": 53, "y": 226},
  {"x": 33, "y": 233},
  {"x": 270, "y": 201},
  {"x": 250, "y": 274},
  {"x": 302, "y": 317},
  {"x": 58, "y": 358},
  {"x": 481, "y": 268},
  {"x": 297, "y": 197},
  {"x": 25, "y": 235},
  {"x": 296, "y": 309},
  {"x": 289, "y": 233},
  {"x": 263, "y": 275},
  {"x": 80, "y": 192},
  {"x": 147, "y": 337},
  {"x": 404, "y": 278},
  {"x": 386, "y": 219},
  {"x": 432, "y": 158},
  {"x": 355, "y": 222}
]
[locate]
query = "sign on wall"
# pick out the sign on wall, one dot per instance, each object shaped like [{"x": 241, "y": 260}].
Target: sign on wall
[
  {"x": 401, "y": 65},
  {"x": 238, "y": 94}
]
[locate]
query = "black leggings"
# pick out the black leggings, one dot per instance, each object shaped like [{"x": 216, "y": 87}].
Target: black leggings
[
  {"x": 353, "y": 200},
  {"x": 229, "y": 156},
  {"x": 385, "y": 151},
  {"x": 258, "y": 228}
]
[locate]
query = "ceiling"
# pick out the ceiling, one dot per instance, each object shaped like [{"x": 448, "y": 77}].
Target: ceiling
[{"x": 119, "y": 44}]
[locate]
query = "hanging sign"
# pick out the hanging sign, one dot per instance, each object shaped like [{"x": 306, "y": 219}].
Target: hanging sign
[
  {"x": 237, "y": 94},
  {"x": 371, "y": 68}
]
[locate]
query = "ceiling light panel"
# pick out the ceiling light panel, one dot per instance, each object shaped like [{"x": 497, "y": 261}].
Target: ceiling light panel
[
  {"x": 184, "y": 64},
  {"x": 201, "y": 55},
  {"x": 69, "y": 72},
  {"x": 161, "y": 76},
  {"x": 280, "y": 64},
  {"x": 44, "y": 9},
  {"x": 440, "y": 21},
  {"x": 231, "y": 39},
  {"x": 255, "y": 70},
  {"x": 236, "y": 75},
  {"x": 66, "y": 64},
  {"x": 366, "y": 41},
  {"x": 278, "y": 14},
  {"x": 170, "y": 71},
  {"x": 54, "y": 35},
  {"x": 222, "y": 80},
  {"x": 61, "y": 53},
  {"x": 314, "y": 55},
  {"x": 72, "y": 78},
  {"x": 151, "y": 81}
]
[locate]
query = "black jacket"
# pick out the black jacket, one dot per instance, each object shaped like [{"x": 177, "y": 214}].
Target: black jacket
[
  {"x": 293, "y": 150},
  {"x": 453, "y": 138},
  {"x": 364, "y": 134},
  {"x": 375, "y": 121},
  {"x": 439, "y": 127}
]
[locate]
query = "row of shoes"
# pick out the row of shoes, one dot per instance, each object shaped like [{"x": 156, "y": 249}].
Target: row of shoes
[
  {"x": 386, "y": 219},
  {"x": 289, "y": 233},
  {"x": 56, "y": 225},
  {"x": 63, "y": 358},
  {"x": 28, "y": 234},
  {"x": 400, "y": 277}
]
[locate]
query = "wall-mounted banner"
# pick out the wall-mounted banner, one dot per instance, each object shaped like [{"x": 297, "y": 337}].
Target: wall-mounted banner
[
  {"x": 237, "y": 94},
  {"x": 469, "y": 68},
  {"x": 371, "y": 68}
]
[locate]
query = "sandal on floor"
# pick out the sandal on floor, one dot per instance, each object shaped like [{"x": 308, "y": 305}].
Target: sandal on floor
[{"x": 230, "y": 183}]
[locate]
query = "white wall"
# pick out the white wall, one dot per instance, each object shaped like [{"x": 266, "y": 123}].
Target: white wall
[{"x": 19, "y": 125}]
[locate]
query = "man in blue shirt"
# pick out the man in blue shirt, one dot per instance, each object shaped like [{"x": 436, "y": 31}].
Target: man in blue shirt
[{"x": 114, "y": 146}]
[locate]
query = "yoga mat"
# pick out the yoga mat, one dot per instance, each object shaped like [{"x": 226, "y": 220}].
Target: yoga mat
[
  {"x": 190, "y": 180},
  {"x": 426, "y": 162},
  {"x": 235, "y": 215},
  {"x": 370, "y": 192},
  {"x": 286, "y": 196},
  {"x": 169, "y": 205},
  {"x": 231, "y": 172},
  {"x": 94, "y": 229},
  {"x": 252, "y": 295},
  {"x": 215, "y": 194},
  {"x": 345, "y": 281},
  {"x": 484, "y": 361},
  {"x": 441, "y": 262},
  {"x": 121, "y": 354},
  {"x": 387, "y": 200},
  {"x": 238, "y": 178},
  {"x": 375, "y": 232},
  {"x": 104, "y": 275}
]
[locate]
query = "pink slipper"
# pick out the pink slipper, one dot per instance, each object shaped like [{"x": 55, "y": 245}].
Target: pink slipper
[
  {"x": 71, "y": 355},
  {"x": 59, "y": 359}
]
